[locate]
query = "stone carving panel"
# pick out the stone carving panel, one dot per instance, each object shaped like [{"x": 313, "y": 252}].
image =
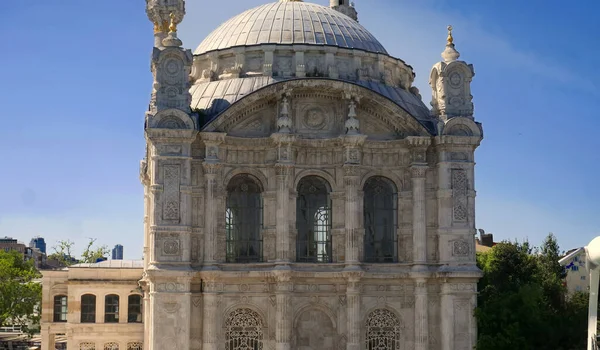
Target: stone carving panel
[
  {"x": 315, "y": 117},
  {"x": 461, "y": 248},
  {"x": 314, "y": 331},
  {"x": 171, "y": 203},
  {"x": 87, "y": 346},
  {"x": 459, "y": 195},
  {"x": 462, "y": 316}
]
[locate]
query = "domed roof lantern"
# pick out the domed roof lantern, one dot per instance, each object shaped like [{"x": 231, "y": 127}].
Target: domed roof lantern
[{"x": 344, "y": 6}]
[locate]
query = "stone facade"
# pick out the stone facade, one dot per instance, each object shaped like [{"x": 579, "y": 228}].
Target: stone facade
[
  {"x": 300, "y": 208},
  {"x": 94, "y": 306}
]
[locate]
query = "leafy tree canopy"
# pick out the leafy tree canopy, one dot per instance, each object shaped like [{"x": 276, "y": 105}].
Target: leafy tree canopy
[
  {"x": 20, "y": 291},
  {"x": 63, "y": 253}
]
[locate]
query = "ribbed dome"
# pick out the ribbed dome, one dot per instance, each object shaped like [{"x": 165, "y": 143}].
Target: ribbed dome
[{"x": 291, "y": 22}]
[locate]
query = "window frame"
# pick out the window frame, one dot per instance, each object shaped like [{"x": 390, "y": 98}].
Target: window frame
[
  {"x": 314, "y": 221},
  {"x": 111, "y": 315},
  {"x": 380, "y": 220},
  {"x": 60, "y": 309},
  {"x": 88, "y": 309},
  {"x": 139, "y": 312}
]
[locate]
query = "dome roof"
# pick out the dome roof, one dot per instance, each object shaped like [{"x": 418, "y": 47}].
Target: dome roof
[{"x": 291, "y": 22}]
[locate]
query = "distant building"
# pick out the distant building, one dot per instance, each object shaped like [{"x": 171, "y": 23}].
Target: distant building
[
  {"x": 576, "y": 279},
  {"x": 484, "y": 242},
  {"x": 117, "y": 252},
  {"x": 8, "y": 243},
  {"x": 39, "y": 243}
]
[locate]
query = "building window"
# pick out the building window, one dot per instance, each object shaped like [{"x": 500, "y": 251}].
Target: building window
[
  {"x": 244, "y": 330},
  {"x": 88, "y": 308},
  {"x": 111, "y": 309},
  {"x": 134, "y": 309},
  {"x": 60, "y": 308},
  {"x": 583, "y": 278},
  {"x": 111, "y": 346},
  {"x": 87, "y": 346},
  {"x": 575, "y": 268},
  {"x": 380, "y": 213},
  {"x": 243, "y": 220},
  {"x": 383, "y": 331},
  {"x": 313, "y": 221},
  {"x": 135, "y": 346}
]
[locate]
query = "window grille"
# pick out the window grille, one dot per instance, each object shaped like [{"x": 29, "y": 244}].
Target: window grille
[
  {"x": 380, "y": 212},
  {"x": 88, "y": 308},
  {"x": 313, "y": 221},
  {"x": 244, "y": 330},
  {"x": 111, "y": 309},
  {"x": 383, "y": 331},
  {"x": 87, "y": 346},
  {"x": 60, "y": 308},
  {"x": 243, "y": 220},
  {"x": 111, "y": 346},
  {"x": 135, "y": 346},
  {"x": 134, "y": 309}
]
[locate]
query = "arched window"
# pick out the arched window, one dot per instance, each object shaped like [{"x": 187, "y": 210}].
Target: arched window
[
  {"x": 88, "y": 308},
  {"x": 383, "y": 331},
  {"x": 380, "y": 219},
  {"x": 135, "y": 346},
  {"x": 111, "y": 346},
  {"x": 244, "y": 330},
  {"x": 111, "y": 308},
  {"x": 313, "y": 221},
  {"x": 134, "y": 308},
  {"x": 87, "y": 346},
  {"x": 243, "y": 220},
  {"x": 60, "y": 308}
]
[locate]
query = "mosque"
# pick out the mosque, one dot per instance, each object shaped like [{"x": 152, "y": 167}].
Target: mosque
[{"x": 298, "y": 193}]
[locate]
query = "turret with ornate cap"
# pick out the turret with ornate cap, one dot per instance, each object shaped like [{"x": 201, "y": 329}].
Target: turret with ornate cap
[
  {"x": 450, "y": 81},
  {"x": 344, "y": 6},
  {"x": 159, "y": 12}
]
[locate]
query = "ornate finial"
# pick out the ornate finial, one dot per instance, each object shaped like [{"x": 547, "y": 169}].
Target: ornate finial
[
  {"x": 450, "y": 37},
  {"x": 352, "y": 124},
  {"x": 173, "y": 24},
  {"x": 284, "y": 122}
]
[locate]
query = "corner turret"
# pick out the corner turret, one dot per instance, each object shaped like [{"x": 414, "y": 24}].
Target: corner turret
[
  {"x": 450, "y": 81},
  {"x": 344, "y": 6},
  {"x": 159, "y": 12}
]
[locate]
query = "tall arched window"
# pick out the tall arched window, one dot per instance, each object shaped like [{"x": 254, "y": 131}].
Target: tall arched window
[
  {"x": 134, "y": 308},
  {"x": 88, "y": 308},
  {"x": 111, "y": 308},
  {"x": 243, "y": 220},
  {"x": 380, "y": 220},
  {"x": 313, "y": 221},
  {"x": 383, "y": 331},
  {"x": 60, "y": 308},
  {"x": 244, "y": 330}
]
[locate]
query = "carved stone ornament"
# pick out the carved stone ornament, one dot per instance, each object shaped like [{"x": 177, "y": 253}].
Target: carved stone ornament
[
  {"x": 461, "y": 248},
  {"x": 171, "y": 192},
  {"x": 459, "y": 194},
  {"x": 419, "y": 171},
  {"x": 352, "y": 124},
  {"x": 284, "y": 122},
  {"x": 171, "y": 247}
]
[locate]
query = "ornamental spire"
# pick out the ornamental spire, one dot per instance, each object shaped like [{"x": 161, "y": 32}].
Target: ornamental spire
[{"x": 450, "y": 54}]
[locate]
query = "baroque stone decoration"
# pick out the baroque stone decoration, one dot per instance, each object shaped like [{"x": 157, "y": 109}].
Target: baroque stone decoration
[{"x": 298, "y": 194}]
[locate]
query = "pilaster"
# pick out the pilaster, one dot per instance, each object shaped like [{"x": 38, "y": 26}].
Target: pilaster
[
  {"x": 352, "y": 213},
  {"x": 419, "y": 169},
  {"x": 421, "y": 315},
  {"x": 353, "y": 316},
  {"x": 283, "y": 310},
  {"x": 211, "y": 316}
]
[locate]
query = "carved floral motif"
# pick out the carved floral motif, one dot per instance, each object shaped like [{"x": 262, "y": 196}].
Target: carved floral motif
[
  {"x": 459, "y": 194},
  {"x": 171, "y": 192}
]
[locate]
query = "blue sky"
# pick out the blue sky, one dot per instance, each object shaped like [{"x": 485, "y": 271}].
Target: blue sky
[{"x": 76, "y": 83}]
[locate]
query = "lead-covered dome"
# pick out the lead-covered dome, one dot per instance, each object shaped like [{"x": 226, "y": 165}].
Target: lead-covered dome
[{"x": 291, "y": 22}]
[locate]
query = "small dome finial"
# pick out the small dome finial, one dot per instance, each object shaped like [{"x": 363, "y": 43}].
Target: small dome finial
[
  {"x": 450, "y": 53},
  {"x": 450, "y": 37},
  {"x": 173, "y": 24}
]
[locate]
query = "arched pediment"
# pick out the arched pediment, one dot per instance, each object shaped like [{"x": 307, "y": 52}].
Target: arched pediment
[
  {"x": 175, "y": 119},
  {"x": 459, "y": 126},
  {"x": 318, "y": 108}
]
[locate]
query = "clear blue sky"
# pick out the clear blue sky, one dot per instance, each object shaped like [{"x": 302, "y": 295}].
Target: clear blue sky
[{"x": 76, "y": 83}]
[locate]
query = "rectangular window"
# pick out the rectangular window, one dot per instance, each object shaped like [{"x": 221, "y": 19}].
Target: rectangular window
[
  {"x": 583, "y": 278},
  {"x": 575, "y": 268},
  {"x": 88, "y": 308},
  {"x": 111, "y": 309},
  {"x": 60, "y": 308},
  {"x": 134, "y": 309}
]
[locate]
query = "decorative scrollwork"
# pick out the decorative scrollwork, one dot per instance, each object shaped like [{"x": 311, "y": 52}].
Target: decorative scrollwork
[
  {"x": 382, "y": 330},
  {"x": 244, "y": 330}
]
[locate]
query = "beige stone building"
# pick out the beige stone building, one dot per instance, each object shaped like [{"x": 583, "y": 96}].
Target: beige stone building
[
  {"x": 298, "y": 192},
  {"x": 93, "y": 306}
]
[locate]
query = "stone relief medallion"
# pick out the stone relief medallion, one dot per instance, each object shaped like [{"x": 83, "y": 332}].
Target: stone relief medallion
[
  {"x": 171, "y": 247},
  {"x": 456, "y": 101},
  {"x": 455, "y": 80},
  {"x": 460, "y": 248},
  {"x": 172, "y": 68},
  {"x": 315, "y": 119}
]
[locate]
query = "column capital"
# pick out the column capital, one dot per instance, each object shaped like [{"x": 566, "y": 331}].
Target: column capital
[
  {"x": 284, "y": 169},
  {"x": 352, "y": 170},
  {"x": 212, "y": 168},
  {"x": 419, "y": 171}
]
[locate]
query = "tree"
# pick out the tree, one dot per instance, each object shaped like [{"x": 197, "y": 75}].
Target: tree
[
  {"x": 20, "y": 293},
  {"x": 521, "y": 302},
  {"x": 63, "y": 252}
]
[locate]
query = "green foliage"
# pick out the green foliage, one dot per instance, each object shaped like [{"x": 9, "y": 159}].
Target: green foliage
[
  {"x": 522, "y": 304},
  {"x": 20, "y": 294},
  {"x": 63, "y": 252}
]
